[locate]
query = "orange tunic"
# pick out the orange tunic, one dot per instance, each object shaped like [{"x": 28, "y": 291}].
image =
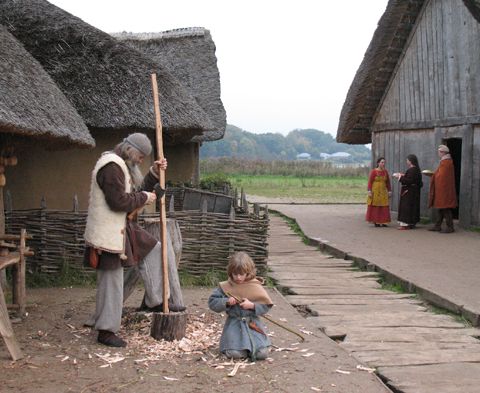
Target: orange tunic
[{"x": 442, "y": 193}]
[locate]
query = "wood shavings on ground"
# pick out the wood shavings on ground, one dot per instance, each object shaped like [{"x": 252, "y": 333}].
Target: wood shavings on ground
[
  {"x": 367, "y": 369},
  {"x": 280, "y": 349},
  {"x": 203, "y": 332},
  {"x": 342, "y": 371},
  {"x": 110, "y": 358},
  {"x": 234, "y": 371},
  {"x": 307, "y": 332}
]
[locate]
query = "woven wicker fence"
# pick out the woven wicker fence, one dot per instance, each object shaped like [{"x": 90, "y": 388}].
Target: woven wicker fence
[{"x": 208, "y": 238}]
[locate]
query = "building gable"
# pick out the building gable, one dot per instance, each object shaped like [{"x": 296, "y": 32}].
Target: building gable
[{"x": 438, "y": 76}]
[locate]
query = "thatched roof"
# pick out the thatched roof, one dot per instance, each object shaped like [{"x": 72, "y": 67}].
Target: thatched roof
[
  {"x": 474, "y": 7},
  {"x": 377, "y": 67},
  {"x": 106, "y": 81},
  {"x": 189, "y": 54},
  {"x": 31, "y": 104}
]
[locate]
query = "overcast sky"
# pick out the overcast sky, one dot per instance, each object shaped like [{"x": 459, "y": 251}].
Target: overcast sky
[{"x": 283, "y": 64}]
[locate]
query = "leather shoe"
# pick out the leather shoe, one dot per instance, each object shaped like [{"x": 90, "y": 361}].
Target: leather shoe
[{"x": 110, "y": 339}]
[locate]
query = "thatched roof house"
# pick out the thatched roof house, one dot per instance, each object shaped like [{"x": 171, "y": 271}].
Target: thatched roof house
[
  {"x": 419, "y": 86},
  {"x": 31, "y": 104},
  {"x": 189, "y": 55},
  {"x": 106, "y": 81}
]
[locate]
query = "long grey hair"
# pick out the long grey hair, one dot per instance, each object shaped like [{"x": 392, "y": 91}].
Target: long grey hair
[{"x": 132, "y": 159}]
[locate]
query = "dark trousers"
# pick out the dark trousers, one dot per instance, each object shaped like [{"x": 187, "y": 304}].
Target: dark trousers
[{"x": 448, "y": 215}]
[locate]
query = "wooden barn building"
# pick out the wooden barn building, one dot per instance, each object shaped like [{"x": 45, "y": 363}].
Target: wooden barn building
[
  {"x": 108, "y": 84},
  {"x": 418, "y": 86}
]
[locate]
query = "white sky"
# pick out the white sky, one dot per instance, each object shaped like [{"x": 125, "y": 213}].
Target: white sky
[{"x": 283, "y": 64}]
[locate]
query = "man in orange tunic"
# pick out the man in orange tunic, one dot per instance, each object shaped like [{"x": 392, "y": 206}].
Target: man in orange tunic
[{"x": 442, "y": 194}]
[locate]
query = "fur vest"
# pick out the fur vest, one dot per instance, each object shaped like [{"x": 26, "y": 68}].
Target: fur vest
[{"x": 105, "y": 229}]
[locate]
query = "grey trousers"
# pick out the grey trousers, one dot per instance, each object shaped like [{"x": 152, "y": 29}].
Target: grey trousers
[{"x": 109, "y": 298}]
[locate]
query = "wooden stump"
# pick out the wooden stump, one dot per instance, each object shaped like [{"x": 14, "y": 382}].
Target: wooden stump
[{"x": 169, "y": 327}]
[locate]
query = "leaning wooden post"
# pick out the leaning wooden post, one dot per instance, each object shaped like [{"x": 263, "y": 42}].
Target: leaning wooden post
[
  {"x": 165, "y": 325},
  {"x": 20, "y": 291},
  {"x": 6, "y": 330}
]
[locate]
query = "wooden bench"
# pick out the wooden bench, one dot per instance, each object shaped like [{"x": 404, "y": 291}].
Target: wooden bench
[{"x": 13, "y": 251}]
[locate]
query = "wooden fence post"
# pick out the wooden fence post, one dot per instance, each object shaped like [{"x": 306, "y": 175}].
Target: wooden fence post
[
  {"x": 75, "y": 203},
  {"x": 42, "y": 256},
  {"x": 256, "y": 210},
  {"x": 171, "y": 206},
  {"x": 231, "y": 230}
]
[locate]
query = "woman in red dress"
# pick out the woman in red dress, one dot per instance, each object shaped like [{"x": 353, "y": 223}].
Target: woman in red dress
[{"x": 379, "y": 193}]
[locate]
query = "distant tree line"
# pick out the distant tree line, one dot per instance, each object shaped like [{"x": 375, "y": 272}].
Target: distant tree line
[
  {"x": 233, "y": 166},
  {"x": 238, "y": 143}
]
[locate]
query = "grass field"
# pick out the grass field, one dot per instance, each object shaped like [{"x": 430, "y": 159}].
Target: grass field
[{"x": 309, "y": 189}]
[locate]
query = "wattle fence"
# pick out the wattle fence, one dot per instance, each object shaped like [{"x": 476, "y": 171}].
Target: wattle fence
[{"x": 208, "y": 236}]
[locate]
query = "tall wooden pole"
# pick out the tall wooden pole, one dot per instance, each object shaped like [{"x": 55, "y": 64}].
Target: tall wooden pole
[{"x": 163, "y": 213}]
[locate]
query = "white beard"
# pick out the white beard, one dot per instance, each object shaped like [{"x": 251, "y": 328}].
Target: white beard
[{"x": 136, "y": 174}]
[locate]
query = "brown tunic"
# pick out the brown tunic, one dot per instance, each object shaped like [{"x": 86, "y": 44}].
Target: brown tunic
[
  {"x": 442, "y": 193},
  {"x": 139, "y": 242}
]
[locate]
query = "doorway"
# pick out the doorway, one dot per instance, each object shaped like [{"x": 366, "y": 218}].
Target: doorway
[{"x": 455, "y": 147}]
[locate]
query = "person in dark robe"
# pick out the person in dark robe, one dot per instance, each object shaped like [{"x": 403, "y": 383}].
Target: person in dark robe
[{"x": 409, "y": 204}]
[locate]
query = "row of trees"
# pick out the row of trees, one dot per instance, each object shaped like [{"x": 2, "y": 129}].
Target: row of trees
[{"x": 270, "y": 146}]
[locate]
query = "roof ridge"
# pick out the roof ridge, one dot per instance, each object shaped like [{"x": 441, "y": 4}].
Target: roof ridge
[{"x": 174, "y": 33}]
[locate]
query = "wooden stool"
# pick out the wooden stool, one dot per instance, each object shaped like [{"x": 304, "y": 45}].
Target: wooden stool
[{"x": 16, "y": 259}]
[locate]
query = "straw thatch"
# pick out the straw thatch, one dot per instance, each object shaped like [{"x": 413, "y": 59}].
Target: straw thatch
[
  {"x": 31, "y": 104},
  {"x": 377, "y": 67},
  {"x": 106, "y": 81},
  {"x": 474, "y": 8},
  {"x": 189, "y": 54}
]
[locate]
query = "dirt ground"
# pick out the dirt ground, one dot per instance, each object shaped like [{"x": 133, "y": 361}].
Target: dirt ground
[{"x": 63, "y": 356}]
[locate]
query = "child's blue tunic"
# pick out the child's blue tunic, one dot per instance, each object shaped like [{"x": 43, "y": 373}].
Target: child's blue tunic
[{"x": 236, "y": 333}]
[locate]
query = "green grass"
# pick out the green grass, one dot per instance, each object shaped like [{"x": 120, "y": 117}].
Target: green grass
[
  {"x": 321, "y": 189},
  {"x": 67, "y": 277},
  {"x": 293, "y": 226},
  {"x": 441, "y": 311}
]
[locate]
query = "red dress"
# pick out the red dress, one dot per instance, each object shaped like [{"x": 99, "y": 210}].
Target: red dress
[{"x": 378, "y": 209}]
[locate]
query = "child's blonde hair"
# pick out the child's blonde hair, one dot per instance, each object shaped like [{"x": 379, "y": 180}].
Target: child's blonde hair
[{"x": 241, "y": 263}]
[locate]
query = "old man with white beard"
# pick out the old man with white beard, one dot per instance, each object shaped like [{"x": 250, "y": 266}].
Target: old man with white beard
[{"x": 114, "y": 242}]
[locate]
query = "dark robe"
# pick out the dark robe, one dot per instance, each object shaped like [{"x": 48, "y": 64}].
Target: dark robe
[
  {"x": 139, "y": 242},
  {"x": 409, "y": 205}
]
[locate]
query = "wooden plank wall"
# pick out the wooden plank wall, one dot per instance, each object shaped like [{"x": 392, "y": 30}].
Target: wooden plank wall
[
  {"x": 396, "y": 145},
  {"x": 439, "y": 75},
  {"x": 476, "y": 177}
]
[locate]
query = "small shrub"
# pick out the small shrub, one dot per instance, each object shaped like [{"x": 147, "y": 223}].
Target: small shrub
[{"x": 215, "y": 181}]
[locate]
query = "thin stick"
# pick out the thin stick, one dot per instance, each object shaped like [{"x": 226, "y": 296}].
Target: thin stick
[
  {"x": 163, "y": 214},
  {"x": 271, "y": 319}
]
